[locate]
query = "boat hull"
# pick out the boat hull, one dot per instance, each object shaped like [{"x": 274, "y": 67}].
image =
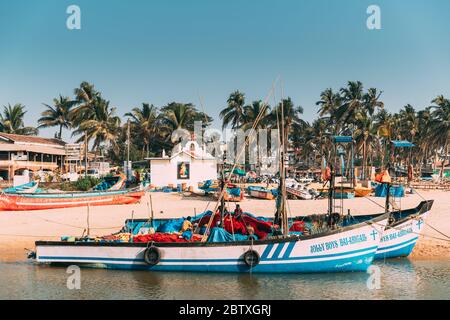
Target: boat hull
[
  {"x": 350, "y": 249},
  {"x": 23, "y": 203},
  {"x": 399, "y": 240}
]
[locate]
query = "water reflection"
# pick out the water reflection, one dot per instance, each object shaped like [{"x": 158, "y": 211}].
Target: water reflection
[{"x": 400, "y": 279}]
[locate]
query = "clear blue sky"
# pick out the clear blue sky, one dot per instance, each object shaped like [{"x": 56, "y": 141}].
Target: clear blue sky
[{"x": 175, "y": 50}]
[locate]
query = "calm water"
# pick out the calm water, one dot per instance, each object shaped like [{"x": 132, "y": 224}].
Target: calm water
[{"x": 401, "y": 279}]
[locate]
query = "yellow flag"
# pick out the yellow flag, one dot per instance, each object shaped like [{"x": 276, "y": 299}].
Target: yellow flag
[{"x": 383, "y": 131}]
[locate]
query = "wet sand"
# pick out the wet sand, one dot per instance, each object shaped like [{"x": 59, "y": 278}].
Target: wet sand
[{"x": 19, "y": 230}]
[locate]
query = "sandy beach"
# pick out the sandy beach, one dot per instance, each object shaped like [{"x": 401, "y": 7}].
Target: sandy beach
[{"x": 19, "y": 230}]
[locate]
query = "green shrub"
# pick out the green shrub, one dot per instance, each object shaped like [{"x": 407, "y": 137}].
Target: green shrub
[
  {"x": 68, "y": 186},
  {"x": 86, "y": 183}
]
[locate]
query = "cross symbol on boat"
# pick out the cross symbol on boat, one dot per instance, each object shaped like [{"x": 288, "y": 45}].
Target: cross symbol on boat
[
  {"x": 419, "y": 223},
  {"x": 374, "y": 234}
]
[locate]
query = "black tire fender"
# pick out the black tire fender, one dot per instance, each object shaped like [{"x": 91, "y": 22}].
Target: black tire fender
[
  {"x": 251, "y": 258},
  {"x": 152, "y": 256}
]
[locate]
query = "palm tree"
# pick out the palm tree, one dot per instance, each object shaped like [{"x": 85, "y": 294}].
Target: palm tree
[
  {"x": 409, "y": 122},
  {"x": 385, "y": 131},
  {"x": 11, "y": 121},
  {"x": 352, "y": 103},
  {"x": 234, "y": 111},
  {"x": 291, "y": 116},
  {"x": 253, "y": 112},
  {"x": 57, "y": 115},
  {"x": 86, "y": 97},
  {"x": 145, "y": 124},
  {"x": 176, "y": 116},
  {"x": 255, "y": 115},
  {"x": 365, "y": 138},
  {"x": 440, "y": 126},
  {"x": 425, "y": 146},
  {"x": 313, "y": 140},
  {"x": 328, "y": 104},
  {"x": 372, "y": 101},
  {"x": 102, "y": 126}
]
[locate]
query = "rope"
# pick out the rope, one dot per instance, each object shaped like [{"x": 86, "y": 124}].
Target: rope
[
  {"x": 25, "y": 235},
  {"x": 367, "y": 198},
  {"x": 73, "y": 226},
  {"x": 433, "y": 228},
  {"x": 423, "y": 198}
]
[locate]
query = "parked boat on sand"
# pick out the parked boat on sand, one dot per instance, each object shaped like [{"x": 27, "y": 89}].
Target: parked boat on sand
[
  {"x": 41, "y": 201},
  {"x": 30, "y": 187},
  {"x": 111, "y": 183},
  {"x": 362, "y": 191},
  {"x": 261, "y": 192}
]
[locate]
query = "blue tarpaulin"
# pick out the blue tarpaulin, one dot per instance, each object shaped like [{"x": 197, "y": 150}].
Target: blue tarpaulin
[
  {"x": 342, "y": 139},
  {"x": 402, "y": 143},
  {"x": 381, "y": 191},
  {"x": 234, "y": 191},
  {"x": 171, "y": 226},
  {"x": 221, "y": 235}
]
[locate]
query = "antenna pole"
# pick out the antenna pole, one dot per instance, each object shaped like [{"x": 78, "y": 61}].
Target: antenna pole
[
  {"x": 128, "y": 150},
  {"x": 85, "y": 154}
]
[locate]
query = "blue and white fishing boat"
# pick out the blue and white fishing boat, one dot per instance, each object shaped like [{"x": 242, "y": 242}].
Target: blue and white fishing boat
[
  {"x": 350, "y": 248},
  {"x": 398, "y": 238}
]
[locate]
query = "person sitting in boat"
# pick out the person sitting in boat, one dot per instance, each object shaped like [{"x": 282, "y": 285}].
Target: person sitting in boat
[
  {"x": 276, "y": 230},
  {"x": 251, "y": 233},
  {"x": 187, "y": 225},
  {"x": 138, "y": 176},
  {"x": 220, "y": 209},
  {"x": 238, "y": 211}
]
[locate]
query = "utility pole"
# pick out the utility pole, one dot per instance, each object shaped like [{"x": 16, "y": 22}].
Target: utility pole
[
  {"x": 128, "y": 150},
  {"x": 85, "y": 154}
]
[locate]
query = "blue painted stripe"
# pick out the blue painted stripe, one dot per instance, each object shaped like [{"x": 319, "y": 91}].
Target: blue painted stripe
[
  {"x": 289, "y": 249},
  {"x": 334, "y": 254},
  {"x": 398, "y": 244},
  {"x": 266, "y": 251},
  {"x": 278, "y": 250},
  {"x": 396, "y": 253},
  {"x": 204, "y": 260},
  {"x": 360, "y": 263}
]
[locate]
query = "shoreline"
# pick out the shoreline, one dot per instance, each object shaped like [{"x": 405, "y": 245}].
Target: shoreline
[{"x": 19, "y": 230}]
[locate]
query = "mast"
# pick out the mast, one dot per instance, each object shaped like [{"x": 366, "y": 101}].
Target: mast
[
  {"x": 281, "y": 213},
  {"x": 222, "y": 187},
  {"x": 128, "y": 150},
  {"x": 248, "y": 140},
  {"x": 85, "y": 154},
  {"x": 331, "y": 190}
]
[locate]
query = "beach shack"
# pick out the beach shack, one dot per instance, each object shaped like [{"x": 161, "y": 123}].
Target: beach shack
[
  {"x": 20, "y": 155},
  {"x": 186, "y": 166}
]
